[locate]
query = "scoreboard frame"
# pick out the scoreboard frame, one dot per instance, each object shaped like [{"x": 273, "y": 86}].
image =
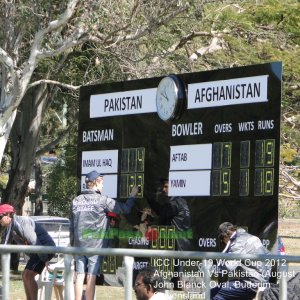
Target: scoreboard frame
[{"x": 221, "y": 154}]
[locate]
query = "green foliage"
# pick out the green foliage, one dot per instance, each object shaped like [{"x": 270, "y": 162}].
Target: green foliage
[
  {"x": 287, "y": 154},
  {"x": 62, "y": 183},
  {"x": 61, "y": 190},
  {"x": 288, "y": 209},
  {"x": 3, "y": 181},
  {"x": 290, "y": 136}
]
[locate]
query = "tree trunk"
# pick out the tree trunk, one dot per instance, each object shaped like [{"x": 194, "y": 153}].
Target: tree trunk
[
  {"x": 24, "y": 140},
  {"x": 38, "y": 178}
]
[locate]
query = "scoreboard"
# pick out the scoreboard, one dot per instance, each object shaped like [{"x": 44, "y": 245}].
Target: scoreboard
[{"x": 215, "y": 135}]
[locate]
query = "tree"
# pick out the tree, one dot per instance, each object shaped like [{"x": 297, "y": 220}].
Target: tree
[
  {"x": 243, "y": 33},
  {"x": 68, "y": 44},
  {"x": 31, "y": 55}
]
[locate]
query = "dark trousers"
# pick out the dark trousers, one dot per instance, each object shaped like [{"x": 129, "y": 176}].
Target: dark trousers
[{"x": 232, "y": 290}]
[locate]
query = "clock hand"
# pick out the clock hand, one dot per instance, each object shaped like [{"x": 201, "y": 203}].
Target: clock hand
[
  {"x": 163, "y": 96},
  {"x": 164, "y": 93}
]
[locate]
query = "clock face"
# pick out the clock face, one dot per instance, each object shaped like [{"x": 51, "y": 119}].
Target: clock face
[{"x": 169, "y": 98}]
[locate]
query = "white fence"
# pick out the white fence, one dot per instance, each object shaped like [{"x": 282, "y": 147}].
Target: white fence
[{"x": 128, "y": 258}]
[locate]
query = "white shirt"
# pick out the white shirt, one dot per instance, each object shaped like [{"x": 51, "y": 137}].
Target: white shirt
[{"x": 159, "y": 296}]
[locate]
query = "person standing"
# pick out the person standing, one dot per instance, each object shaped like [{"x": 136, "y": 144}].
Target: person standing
[
  {"x": 88, "y": 225},
  {"x": 24, "y": 231},
  {"x": 38, "y": 207},
  {"x": 174, "y": 212},
  {"x": 149, "y": 285},
  {"x": 243, "y": 279}
]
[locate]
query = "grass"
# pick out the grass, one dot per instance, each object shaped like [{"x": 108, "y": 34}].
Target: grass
[
  {"x": 102, "y": 292},
  {"x": 15, "y": 286},
  {"x": 290, "y": 229}
]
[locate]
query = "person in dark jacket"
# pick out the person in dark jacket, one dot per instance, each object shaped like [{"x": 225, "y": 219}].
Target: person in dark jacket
[
  {"x": 293, "y": 289},
  {"x": 174, "y": 212},
  {"x": 24, "y": 231},
  {"x": 244, "y": 278},
  {"x": 89, "y": 223}
]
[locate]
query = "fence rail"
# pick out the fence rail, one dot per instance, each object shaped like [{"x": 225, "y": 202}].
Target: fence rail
[{"x": 128, "y": 256}]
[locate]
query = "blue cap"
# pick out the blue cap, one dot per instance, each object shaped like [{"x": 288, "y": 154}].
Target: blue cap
[{"x": 92, "y": 176}]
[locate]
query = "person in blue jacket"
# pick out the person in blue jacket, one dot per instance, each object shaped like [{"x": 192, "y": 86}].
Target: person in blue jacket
[{"x": 24, "y": 231}]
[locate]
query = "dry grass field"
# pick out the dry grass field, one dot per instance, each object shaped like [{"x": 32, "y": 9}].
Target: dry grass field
[
  {"x": 288, "y": 228},
  {"x": 102, "y": 292}
]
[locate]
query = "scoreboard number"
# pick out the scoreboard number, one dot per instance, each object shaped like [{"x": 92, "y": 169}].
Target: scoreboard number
[
  {"x": 132, "y": 171},
  {"x": 263, "y": 174},
  {"x": 221, "y": 173}
]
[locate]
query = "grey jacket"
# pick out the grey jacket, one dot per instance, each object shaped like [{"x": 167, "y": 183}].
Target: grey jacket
[
  {"x": 24, "y": 231},
  {"x": 88, "y": 219},
  {"x": 253, "y": 272}
]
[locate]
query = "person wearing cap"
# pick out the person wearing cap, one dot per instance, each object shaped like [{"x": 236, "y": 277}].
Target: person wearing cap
[
  {"x": 244, "y": 278},
  {"x": 88, "y": 225},
  {"x": 24, "y": 231}
]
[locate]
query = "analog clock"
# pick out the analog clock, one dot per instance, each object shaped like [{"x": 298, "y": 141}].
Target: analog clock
[{"x": 170, "y": 98}]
